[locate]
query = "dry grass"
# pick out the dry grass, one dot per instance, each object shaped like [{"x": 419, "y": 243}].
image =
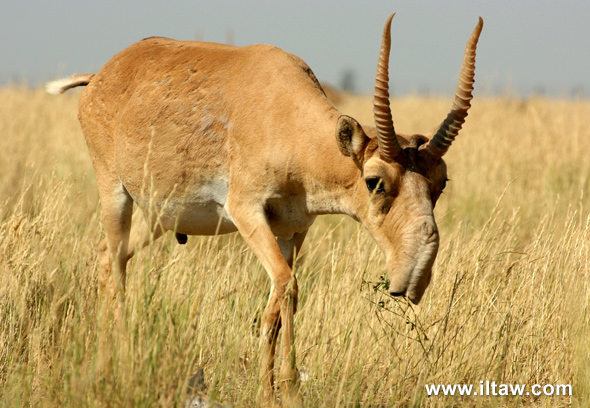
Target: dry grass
[{"x": 509, "y": 301}]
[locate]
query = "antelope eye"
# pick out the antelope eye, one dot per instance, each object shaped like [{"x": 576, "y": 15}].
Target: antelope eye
[
  {"x": 444, "y": 184},
  {"x": 375, "y": 184}
]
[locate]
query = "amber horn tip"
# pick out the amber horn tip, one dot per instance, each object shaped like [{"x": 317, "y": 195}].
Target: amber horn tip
[{"x": 479, "y": 25}]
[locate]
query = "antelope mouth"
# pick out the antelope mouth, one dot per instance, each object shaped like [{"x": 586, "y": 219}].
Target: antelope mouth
[{"x": 414, "y": 290}]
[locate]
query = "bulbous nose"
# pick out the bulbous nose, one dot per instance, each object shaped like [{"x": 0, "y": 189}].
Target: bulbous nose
[{"x": 411, "y": 268}]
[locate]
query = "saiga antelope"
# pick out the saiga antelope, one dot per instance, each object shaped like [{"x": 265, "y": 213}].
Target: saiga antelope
[{"x": 244, "y": 139}]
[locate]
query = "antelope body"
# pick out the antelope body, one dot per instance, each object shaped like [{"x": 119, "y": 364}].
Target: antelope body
[{"x": 210, "y": 139}]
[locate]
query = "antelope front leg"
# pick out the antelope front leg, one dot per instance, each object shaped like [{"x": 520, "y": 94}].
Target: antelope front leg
[
  {"x": 281, "y": 304},
  {"x": 269, "y": 331},
  {"x": 279, "y": 315},
  {"x": 289, "y": 375}
]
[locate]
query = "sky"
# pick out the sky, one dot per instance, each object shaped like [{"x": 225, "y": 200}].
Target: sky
[{"x": 526, "y": 46}]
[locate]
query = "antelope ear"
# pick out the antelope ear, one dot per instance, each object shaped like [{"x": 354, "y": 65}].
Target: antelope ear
[{"x": 350, "y": 137}]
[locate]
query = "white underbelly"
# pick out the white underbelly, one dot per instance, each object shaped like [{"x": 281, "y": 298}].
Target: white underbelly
[
  {"x": 199, "y": 219},
  {"x": 200, "y": 211}
]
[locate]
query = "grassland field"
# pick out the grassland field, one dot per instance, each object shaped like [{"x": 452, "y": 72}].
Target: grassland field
[{"x": 508, "y": 302}]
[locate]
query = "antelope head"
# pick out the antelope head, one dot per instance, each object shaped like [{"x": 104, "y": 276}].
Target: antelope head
[{"x": 403, "y": 176}]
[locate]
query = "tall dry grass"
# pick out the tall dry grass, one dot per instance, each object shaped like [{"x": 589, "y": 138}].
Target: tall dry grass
[{"x": 508, "y": 303}]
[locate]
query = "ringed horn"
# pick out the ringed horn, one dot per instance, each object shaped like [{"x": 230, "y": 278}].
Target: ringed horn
[
  {"x": 389, "y": 146},
  {"x": 441, "y": 141}
]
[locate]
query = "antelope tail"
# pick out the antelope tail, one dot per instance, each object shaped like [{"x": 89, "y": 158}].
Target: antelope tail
[{"x": 59, "y": 86}]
